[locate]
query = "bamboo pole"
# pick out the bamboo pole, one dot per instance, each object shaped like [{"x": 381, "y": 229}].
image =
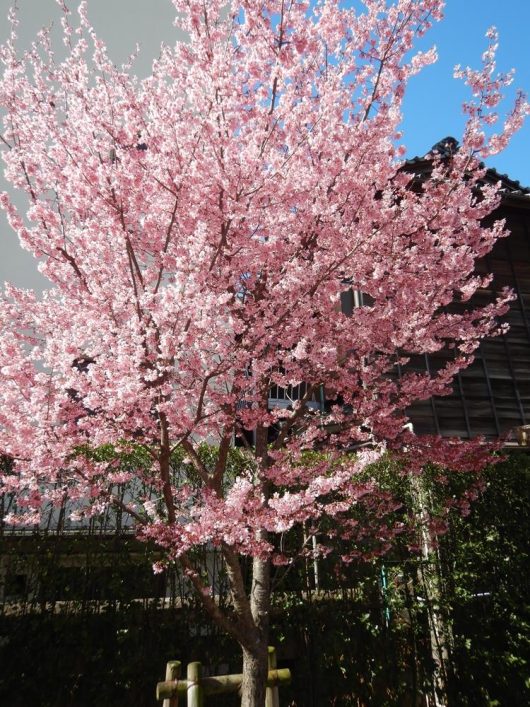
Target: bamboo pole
[
  {"x": 195, "y": 693},
  {"x": 172, "y": 675},
  {"x": 272, "y": 697}
]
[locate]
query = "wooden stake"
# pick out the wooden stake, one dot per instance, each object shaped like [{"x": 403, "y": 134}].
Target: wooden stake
[
  {"x": 172, "y": 674},
  {"x": 195, "y": 692},
  {"x": 272, "y": 698}
]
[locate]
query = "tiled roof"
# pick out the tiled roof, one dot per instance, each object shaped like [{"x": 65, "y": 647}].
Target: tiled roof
[{"x": 510, "y": 187}]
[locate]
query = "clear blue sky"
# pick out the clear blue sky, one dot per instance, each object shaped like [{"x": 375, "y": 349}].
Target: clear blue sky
[{"x": 433, "y": 101}]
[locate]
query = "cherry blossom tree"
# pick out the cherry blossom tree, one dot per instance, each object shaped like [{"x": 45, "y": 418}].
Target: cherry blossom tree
[{"x": 198, "y": 229}]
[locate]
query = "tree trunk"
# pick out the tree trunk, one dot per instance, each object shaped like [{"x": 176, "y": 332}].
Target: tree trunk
[
  {"x": 255, "y": 671},
  {"x": 255, "y": 652}
]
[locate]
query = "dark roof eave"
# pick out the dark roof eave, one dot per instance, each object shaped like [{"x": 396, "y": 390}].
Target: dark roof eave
[{"x": 513, "y": 193}]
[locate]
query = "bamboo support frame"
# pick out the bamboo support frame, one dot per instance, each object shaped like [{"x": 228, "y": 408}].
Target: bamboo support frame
[
  {"x": 217, "y": 685},
  {"x": 196, "y": 688}
]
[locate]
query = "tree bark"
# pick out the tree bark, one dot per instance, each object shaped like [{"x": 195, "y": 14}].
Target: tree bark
[
  {"x": 254, "y": 676},
  {"x": 255, "y": 653}
]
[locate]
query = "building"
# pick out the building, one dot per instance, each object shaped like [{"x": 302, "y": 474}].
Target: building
[{"x": 492, "y": 396}]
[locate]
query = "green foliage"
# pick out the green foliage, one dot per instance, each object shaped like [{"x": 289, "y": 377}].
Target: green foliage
[
  {"x": 346, "y": 651},
  {"x": 366, "y": 645},
  {"x": 487, "y": 560},
  {"x": 112, "y": 658}
]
